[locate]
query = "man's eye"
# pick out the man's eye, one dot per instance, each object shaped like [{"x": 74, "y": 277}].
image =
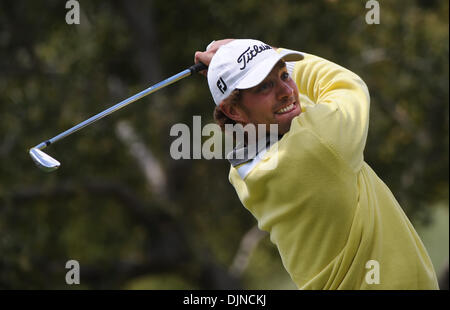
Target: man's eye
[
  {"x": 284, "y": 76},
  {"x": 264, "y": 86}
]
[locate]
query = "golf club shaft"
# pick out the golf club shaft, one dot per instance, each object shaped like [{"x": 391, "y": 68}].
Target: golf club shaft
[{"x": 191, "y": 70}]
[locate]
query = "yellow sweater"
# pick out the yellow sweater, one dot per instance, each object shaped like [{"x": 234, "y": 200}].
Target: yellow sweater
[{"x": 326, "y": 210}]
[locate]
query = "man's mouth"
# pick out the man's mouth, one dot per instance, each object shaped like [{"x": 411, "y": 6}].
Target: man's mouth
[{"x": 286, "y": 109}]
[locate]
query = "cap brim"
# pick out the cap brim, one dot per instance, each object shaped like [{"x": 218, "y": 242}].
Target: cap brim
[{"x": 261, "y": 71}]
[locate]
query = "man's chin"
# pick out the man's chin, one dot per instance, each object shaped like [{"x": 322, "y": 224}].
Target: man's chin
[{"x": 285, "y": 126}]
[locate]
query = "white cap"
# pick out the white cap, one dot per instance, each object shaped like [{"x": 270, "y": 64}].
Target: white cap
[{"x": 243, "y": 64}]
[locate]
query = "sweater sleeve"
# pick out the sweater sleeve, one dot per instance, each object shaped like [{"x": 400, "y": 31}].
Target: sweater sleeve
[{"x": 340, "y": 115}]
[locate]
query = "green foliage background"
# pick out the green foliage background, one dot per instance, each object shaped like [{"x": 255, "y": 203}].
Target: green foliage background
[{"x": 100, "y": 209}]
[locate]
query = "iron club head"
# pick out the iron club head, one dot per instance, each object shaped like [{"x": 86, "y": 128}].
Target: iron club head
[{"x": 44, "y": 161}]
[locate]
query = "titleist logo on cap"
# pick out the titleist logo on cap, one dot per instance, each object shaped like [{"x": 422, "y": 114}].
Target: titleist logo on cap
[{"x": 249, "y": 54}]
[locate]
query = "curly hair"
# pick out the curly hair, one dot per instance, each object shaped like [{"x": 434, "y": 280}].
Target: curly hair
[{"x": 221, "y": 118}]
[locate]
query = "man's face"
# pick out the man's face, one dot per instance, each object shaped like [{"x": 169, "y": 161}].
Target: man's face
[{"x": 274, "y": 101}]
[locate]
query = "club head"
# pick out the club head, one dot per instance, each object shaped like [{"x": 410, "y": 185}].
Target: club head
[{"x": 44, "y": 161}]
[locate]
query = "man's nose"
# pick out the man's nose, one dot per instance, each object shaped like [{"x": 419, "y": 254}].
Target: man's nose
[{"x": 284, "y": 90}]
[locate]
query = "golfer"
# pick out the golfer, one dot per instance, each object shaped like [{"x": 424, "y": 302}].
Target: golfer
[{"x": 335, "y": 223}]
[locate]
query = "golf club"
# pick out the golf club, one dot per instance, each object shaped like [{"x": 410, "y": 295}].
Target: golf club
[{"x": 48, "y": 164}]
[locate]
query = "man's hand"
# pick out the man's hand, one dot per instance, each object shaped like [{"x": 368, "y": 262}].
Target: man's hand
[{"x": 206, "y": 56}]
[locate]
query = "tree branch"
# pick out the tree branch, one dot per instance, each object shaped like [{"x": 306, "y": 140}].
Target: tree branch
[{"x": 248, "y": 243}]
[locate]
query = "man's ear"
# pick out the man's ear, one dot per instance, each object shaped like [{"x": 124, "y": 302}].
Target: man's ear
[{"x": 233, "y": 112}]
